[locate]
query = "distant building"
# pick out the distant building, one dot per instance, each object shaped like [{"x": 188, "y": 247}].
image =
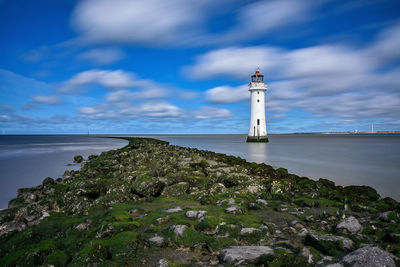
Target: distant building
[{"x": 258, "y": 128}]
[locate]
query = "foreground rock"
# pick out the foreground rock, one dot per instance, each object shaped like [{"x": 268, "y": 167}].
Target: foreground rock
[
  {"x": 369, "y": 256},
  {"x": 245, "y": 254}
]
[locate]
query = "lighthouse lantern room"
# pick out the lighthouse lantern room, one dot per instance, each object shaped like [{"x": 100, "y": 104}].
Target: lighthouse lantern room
[{"x": 258, "y": 129}]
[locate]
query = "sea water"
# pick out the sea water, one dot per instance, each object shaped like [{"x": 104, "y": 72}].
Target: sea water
[{"x": 26, "y": 160}]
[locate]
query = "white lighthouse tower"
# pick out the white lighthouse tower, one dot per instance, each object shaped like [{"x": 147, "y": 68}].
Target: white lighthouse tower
[{"x": 258, "y": 128}]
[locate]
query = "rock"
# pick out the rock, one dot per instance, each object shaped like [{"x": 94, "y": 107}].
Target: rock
[
  {"x": 176, "y": 189},
  {"x": 48, "y": 181},
  {"x": 173, "y": 210},
  {"x": 230, "y": 201},
  {"x": 303, "y": 232},
  {"x": 306, "y": 253},
  {"x": 163, "y": 220},
  {"x": 162, "y": 263},
  {"x": 262, "y": 202},
  {"x": 392, "y": 237},
  {"x": 11, "y": 226},
  {"x": 30, "y": 198},
  {"x": 237, "y": 255},
  {"x": 78, "y": 159},
  {"x": 179, "y": 229},
  {"x": 329, "y": 243},
  {"x": 148, "y": 186},
  {"x": 369, "y": 256},
  {"x": 384, "y": 216},
  {"x": 196, "y": 214},
  {"x": 82, "y": 226},
  {"x": 217, "y": 188},
  {"x": 363, "y": 192},
  {"x": 247, "y": 231},
  {"x": 349, "y": 225},
  {"x": 156, "y": 240},
  {"x": 234, "y": 209}
]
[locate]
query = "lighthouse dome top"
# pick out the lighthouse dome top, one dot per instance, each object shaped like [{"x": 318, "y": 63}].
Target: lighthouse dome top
[{"x": 257, "y": 76}]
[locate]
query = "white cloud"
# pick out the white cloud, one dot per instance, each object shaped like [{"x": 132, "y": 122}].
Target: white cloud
[
  {"x": 236, "y": 62},
  {"x": 50, "y": 100},
  {"x": 227, "y": 94},
  {"x": 212, "y": 112},
  {"x": 153, "y": 22},
  {"x": 102, "y": 56},
  {"x": 261, "y": 17},
  {"x": 175, "y": 22}
]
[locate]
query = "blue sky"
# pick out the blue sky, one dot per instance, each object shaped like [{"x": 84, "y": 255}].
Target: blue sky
[{"x": 155, "y": 66}]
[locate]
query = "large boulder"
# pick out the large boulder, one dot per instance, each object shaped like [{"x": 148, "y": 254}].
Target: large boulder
[
  {"x": 369, "y": 256},
  {"x": 176, "y": 189},
  {"x": 237, "y": 255},
  {"x": 148, "y": 186},
  {"x": 349, "y": 225},
  {"x": 329, "y": 244}
]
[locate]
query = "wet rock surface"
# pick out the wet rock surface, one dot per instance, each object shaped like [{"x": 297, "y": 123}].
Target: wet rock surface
[
  {"x": 245, "y": 254},
  {"x": 154, "y": 204}
]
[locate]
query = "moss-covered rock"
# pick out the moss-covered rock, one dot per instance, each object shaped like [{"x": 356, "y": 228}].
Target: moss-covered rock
[
  {"x": 148, "y": 186},
  {"x": 176, "y": 189}
]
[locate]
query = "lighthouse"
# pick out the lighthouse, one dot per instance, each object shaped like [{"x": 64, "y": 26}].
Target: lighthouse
[{"x": 258, "y": 128}]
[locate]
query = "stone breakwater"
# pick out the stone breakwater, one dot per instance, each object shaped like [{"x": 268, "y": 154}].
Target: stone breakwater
[{"x": 154, "y": 204}]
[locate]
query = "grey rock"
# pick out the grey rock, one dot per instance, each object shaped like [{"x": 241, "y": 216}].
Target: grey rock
[
  {"x": 303, "y": 232},
  {"x": 262, "y": 202},
  {"x": 82, "y": 226},
  {"x": 179, "y": 229},
  {"x": 349, "y": 225},
  {"x": 247, "y": 231},
  {"x": 173, "y": 210},
  {"x": 30, "y": 198},
  {"x": 384, "y": 216},
  {"x": 334, "y": 265},
  {"x": 229, "y": 201},
  {"x": 196, "y": 214},
  {"x": 237, "y": 255},
  {"x": 234, "y": 209},
  {"x": 306, "y": 253},
  {"x": 156, "y": 240},
  {"x": 369, "y": 256},
  {"x": 162, "y": 263},
  {"x": 11, "y": 226}
]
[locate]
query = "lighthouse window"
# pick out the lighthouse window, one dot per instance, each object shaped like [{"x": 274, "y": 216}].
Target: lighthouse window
[
  {"x": 258, "y": 93},
  {"x": 258, "y": 100},
  {"x": 258, "y": 122}
]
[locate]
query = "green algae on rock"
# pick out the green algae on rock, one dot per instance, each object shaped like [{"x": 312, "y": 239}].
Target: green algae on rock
[{"x": 153, "y": 203}]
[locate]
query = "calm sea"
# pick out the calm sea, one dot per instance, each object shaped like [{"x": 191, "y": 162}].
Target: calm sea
[
  {"x": 372, "y": 160},
  {"x": 25, "y": 160}
]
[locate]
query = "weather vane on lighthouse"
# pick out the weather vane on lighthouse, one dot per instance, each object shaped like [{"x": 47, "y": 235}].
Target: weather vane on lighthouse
[{"x": 258, "y": 128}]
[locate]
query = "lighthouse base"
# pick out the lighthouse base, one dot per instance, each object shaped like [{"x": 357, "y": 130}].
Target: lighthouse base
[{"x": 257, "y": 139}]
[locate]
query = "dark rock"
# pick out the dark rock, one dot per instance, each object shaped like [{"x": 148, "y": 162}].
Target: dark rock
[
  {"x": 329, "y": 244},
  {"x": 369, "y": 256},
  {"x": 176, "y": 189},
  {"x": 362, "y": 192},
  {"x": 237, "y": 255},
  {"x": 78, "y": 159},
  {"x": 48, "y": 181}
]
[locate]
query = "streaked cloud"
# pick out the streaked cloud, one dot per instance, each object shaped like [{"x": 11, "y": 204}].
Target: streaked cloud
[
  {"x": 227, "y": 94},
  {"x": 212, "y": 113},
  {"x": 102, "y": 56},
  {"x": 50, "y": 100}
]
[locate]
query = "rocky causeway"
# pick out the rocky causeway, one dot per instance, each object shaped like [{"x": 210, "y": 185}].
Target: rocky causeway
[{"x": 154, "y": 204}]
